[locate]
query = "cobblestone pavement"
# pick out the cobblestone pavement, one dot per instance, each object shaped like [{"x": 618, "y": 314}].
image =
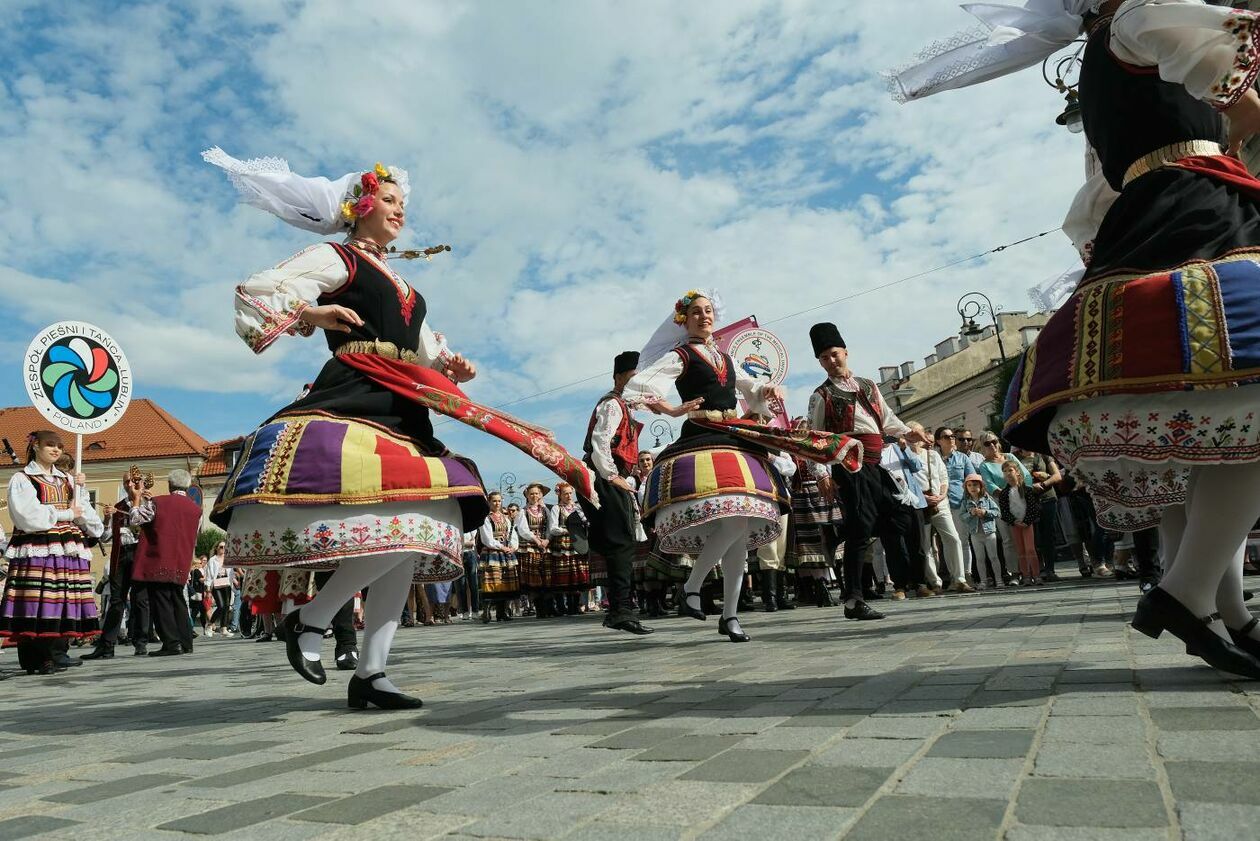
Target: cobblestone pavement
[{"x": 1021, "y": 715}]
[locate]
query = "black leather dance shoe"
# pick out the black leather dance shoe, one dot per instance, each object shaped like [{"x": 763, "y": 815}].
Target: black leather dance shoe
[
  {"x": 101, "y": 652},
  {"x": 630, "y": 626},
  {"x": 361, "y": 693},
  {"x": 1157, "y": 612},
  {"x": 734, "y": 636},
  {"x": 348, "y": 661},
  {"x": 1242, "y": 639},
  {"x": 863, "y": 611},
  {"x": 312, "y": 670},
  {"x": 685, "y": 609},
  {"x": 166, "y": 652}
]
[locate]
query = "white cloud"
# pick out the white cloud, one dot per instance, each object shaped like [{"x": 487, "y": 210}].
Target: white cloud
[{"x": 588, "y": 161}]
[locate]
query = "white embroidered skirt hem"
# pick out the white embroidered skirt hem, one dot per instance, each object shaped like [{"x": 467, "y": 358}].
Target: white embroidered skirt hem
[
  {"x": 683, "y": 527},
  {"x": 326, "y": 536},
  {"x": 1134, "y": 451}
]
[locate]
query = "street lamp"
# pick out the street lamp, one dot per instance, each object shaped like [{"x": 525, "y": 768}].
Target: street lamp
[
  {"x": 507, "y": 484},
  {"x": 977, "y": 303},
  {"x": 658, "y": 428},
  {"x": 1064, "y": 69}
]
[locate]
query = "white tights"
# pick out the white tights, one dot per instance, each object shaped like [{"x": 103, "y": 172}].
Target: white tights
[
  {"x": 1203, "y": 541},
  {"x": 728, "y": 545},
  {"x": 390, "y": 578}
]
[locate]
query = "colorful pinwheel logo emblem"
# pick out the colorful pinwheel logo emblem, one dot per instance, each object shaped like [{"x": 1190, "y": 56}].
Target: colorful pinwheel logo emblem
[
  {"x": 80, "y": 378},
  {"x": 757, "y": 365}
]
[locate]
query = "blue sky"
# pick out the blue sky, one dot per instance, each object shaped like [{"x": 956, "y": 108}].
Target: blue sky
[{"x": 588, "y": 162}]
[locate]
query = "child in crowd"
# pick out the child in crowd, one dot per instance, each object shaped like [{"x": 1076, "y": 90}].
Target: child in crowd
[
  {"x": 1020, "y": 508},
  {"x": 979, "y": 516}
]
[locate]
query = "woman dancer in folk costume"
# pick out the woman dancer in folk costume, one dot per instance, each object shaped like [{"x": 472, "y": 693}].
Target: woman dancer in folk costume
[
  {"x": 47, "y": 597},
  {"x": 713, "y": 492},
  {"x": 1144, "y": 383},
  {"x": 350, "y": 477}
]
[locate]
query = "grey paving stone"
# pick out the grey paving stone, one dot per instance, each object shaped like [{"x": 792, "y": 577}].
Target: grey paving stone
[
  {"x": 1119, "y": 803},
  {"x": 1214, "y": 782},
  {"x": 983, "y": 744},
  {"x": 984, "y": 779},
  {"x": 1077, "y": 759},
  {"x": 1072, "y": 833},
  {"x": 833, "y": 720},
  {"x": 300, "y": 762},
  {"x": 689, "y": 748},
  {"x": 602, "y": 831},
  {"x": 1096, "y": 730},
  {"x": 367, "y": 805},
  {"x": 998, "y": 718},
  {"x": 623, "y": 776},
  {"x": 1184, "y": 718},
  {"x": 683, "y": 803},
  {"x": 640, "y": 738},
  {"x": 870, "y": 753},
  {"x": 549, "y": 816},
  {"x": 746, "y": 766},
  {"x": 898, "y": 727},
  {"x": 823, "y": 785},
  {"x": 755, "y": 822},
  {"x": 196, "y": 750},
  {"x": 28, "y": 825},
  {"x": 115, "y": 788},
  {"x": 940, "y": 819},
  {"x": 240, "y": 815},
  {"x": 30, "y": 750},
  {"x": 491, "y": 796},
  {"x": 1218, "y": 821},
  {"x": 1229, "y": 746}
]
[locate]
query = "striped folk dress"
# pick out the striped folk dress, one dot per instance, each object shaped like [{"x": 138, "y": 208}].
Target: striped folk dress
[{"x": 48, "y": 591}]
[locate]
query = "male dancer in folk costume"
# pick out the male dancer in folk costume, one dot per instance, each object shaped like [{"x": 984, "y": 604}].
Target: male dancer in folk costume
[
  {"x": 168, "y": 526},
  {"x": 850, "y": 405},
  {"x": 350, "y": 477},
  {"x": 713, "y": 491},
  {"x": 1144, "y": 383},
  {"x": 612, "y": 450},
  {"x": 125, "y": 594}
]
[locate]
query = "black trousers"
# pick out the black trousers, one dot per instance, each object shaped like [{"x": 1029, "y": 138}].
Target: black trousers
[
  {"x": 170, "y": 615},
  {"x": 122, "y": 590},
  {"x": 612, "y": 535},
  {"x": 343, "y": 620},
  {"x": 871, "y": 510}
]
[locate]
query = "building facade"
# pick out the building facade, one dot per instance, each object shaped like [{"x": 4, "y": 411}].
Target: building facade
[{"x": 960, "y": 378}]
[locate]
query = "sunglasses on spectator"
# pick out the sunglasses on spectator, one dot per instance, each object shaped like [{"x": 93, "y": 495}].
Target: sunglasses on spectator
[
  {"x": 948, "y": 436},
  {"x": 990, "y": 444}
]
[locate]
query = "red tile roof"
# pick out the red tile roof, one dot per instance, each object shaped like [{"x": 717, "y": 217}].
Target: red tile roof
[
  {"x": 216, "y": 463},
  {"x": 146, "y": 430}
]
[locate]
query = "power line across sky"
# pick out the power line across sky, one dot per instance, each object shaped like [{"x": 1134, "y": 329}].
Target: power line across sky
[{"x": 605, "y": 374}]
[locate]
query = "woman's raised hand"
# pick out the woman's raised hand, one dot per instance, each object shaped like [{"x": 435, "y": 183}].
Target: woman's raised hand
[
  {"x": 1244, "y": 120},
  {"x": 459, "y": 369},
  {"x": 663, "y": 408},
  {"x": 332, "y": 317}
]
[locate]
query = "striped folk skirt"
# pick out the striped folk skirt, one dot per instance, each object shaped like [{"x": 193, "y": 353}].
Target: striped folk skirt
[
  {"x": 48, "y": 592},
  {"x": 498, "y": 575}
]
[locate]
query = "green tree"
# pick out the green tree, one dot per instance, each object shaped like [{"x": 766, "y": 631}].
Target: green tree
[
  {"x": 208, "y": 538},
  {"x": 997, "y": 411}
]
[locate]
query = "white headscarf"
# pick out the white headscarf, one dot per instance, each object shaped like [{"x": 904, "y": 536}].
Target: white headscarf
[
  {"x": 671, "y": 334},
  {"x": 313, "y": 204},
  {"x": 1010, "y": 39}
]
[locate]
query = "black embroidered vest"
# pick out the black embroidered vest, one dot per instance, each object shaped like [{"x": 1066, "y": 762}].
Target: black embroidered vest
[
  {"x": 389, "y": 313},
  {"x": 1130, "y": 111},
  {"x": 700, "y": 379}
]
